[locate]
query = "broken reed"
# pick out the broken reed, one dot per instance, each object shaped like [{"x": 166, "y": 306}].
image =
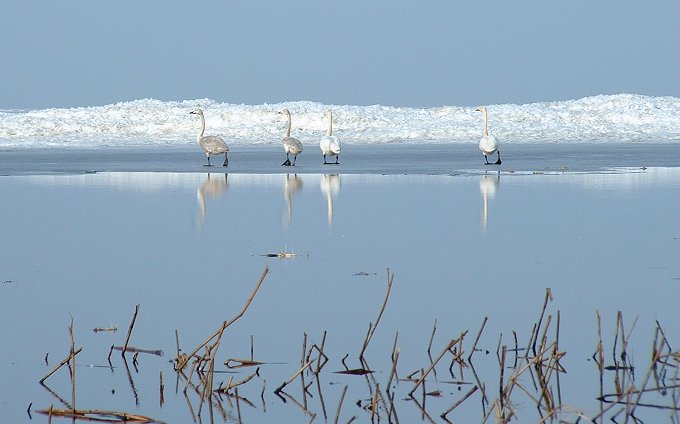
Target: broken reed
[{"x": 539, "y": 361}]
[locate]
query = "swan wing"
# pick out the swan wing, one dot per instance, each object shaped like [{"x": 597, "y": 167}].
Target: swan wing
[
  {"x": 330, "y": 145},
  {"x": 213, "y": 145},
  {"x": 292, "y": 145},
  {"x": 488, "y": 144}
]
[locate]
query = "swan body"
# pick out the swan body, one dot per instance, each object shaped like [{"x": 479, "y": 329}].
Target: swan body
[
  {"x": 212, "y": 145},
  {"x": 330, "y": 144},
  {"x": 291, "y": 145},
  {"x": 488, "y": 143}
]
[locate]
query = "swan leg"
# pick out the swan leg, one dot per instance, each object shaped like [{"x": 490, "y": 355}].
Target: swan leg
[
  {"x": 294, "y": 159},
  {"x": 324, "y": 159},
  {"x": 486, "y": 159},
  {"x": 226, "y": 160},
  {"x": 498, "y": 162},
  {"x": 287, "y": 162},
  {"x": 336, "y": 160},
  {"x": 208, "y": 164}
]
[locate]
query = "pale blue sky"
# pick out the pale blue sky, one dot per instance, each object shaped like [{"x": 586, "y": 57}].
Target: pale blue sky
[{"x": 356, "y": 52}]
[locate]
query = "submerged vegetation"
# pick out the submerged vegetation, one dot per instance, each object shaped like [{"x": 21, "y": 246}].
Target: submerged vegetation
[{"x": 527, "y": 388}]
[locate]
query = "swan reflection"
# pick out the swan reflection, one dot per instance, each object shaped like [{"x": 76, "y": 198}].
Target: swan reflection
[
  {"x": 488, "y": 185},
  {"x": 292, "y": 184},
  {"x": 212, "y": 188},
  {"x": 330, "y": 185}
]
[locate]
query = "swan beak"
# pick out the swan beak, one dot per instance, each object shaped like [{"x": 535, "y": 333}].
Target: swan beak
[{"x": 478, "y": 110}]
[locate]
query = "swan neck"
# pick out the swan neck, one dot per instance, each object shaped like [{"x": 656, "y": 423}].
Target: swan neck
[
  {"x": 288, "y": 129},
  {"x": 329, "y": 132},
  {"x": 202, "y": 130},
  {"x": 486, "y": 124}
]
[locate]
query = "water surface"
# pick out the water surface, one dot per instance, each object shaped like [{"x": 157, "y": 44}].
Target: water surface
[{"x": 189, "y": 248}]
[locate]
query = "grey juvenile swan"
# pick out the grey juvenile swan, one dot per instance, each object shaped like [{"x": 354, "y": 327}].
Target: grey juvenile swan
[
  {"x": 212, "y": 145},
  {"x": 291, "y": 145}
]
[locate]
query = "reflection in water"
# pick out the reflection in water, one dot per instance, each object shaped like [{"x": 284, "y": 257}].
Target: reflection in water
[
  {"x": 488, "y": 185},
  {"x": 330, "y": 185},
  {"x": 292, "y": 184},
  {"x": 211, "y": 188}
]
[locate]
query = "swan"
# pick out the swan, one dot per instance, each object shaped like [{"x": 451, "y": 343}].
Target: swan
[
  {"x": 291, "y": 145},
  {"x": 330, "y": 144},
  {"x": 488, "y": 143},
  {"x": 211, "y": 144}
]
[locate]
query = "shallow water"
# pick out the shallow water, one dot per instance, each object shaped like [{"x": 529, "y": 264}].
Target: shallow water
[
  {"x": 189, "y": 248},
  {"x": 416, "y": 159}
]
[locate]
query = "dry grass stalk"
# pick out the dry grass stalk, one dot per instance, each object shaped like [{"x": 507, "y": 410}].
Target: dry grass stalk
[
  {"x": 232, "y": 363},
  {"x": 112, "y": 329},
  {"x": 458, "y": 402},
  {"x": 136, "y": 350},
  {"x": 393, "y": 371},
  {"x": 238, "y": 405},
  {"x": 72, "y": 366},
  {"x": 372, "y": 327},
  {"x": 61, "y": 364},
  {"x": 429, "y": 345},
  {"x": 302, "y": 375},
  {"x": 479, "y": 334},
  {"x": 129, "y": 333},
  {"x": 548, "y": 297},
  {"x": 650, "y": 370},
  {"x": 342, "y": 398},
  {"x": 374, "y": 404},
  {"x": 423, "y": 413},
  {"x": 290, "y": 380},
  {"x": 161, "y": 390},
  {"x": 97, "y": 415},
  {"x": 439, "y": 357},
  {"x": 182, "y": 362}
]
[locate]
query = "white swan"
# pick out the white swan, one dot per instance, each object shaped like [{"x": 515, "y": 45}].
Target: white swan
[
  {"x": 330, "y": 144},
  {"x": 291, "y": 145},
  {"x": 488, "y": 143},
  {"x": 211, "y": 144}
]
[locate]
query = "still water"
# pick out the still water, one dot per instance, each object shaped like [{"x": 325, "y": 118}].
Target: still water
[{"x": 189, "y": 248}]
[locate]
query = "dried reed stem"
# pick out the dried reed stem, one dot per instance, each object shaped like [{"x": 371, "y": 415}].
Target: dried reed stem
[
  {"x": 61, "y": 364},
  {"x": 548, "y": 296},
  {"x": 443, "y": 352},
  {"x": 342, "y": 398},
  {"x": 458, "y": 402},
  {"x": 181, "y": 363},
  {"x": 132, "y": 324},
  {"x": 72, "y": 366},
  {"x": 371, "y": 330},
  {"x": 479, "y": 334},
  {"x": 290, "y": 380}
]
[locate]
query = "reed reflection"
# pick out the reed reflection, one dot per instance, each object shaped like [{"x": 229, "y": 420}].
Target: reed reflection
[
  {"x": 292, "y": 184},
  {"x": 488, "y": 184},
  {"x": 330, "y": 186},
  {"x": 211, "y": 188}
]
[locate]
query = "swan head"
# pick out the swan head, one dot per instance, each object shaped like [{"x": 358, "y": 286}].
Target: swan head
[
  {"x": 196, "y": 111},
  {"x": 480, "y": 109},
  {"x": 284, "y": 112}
]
